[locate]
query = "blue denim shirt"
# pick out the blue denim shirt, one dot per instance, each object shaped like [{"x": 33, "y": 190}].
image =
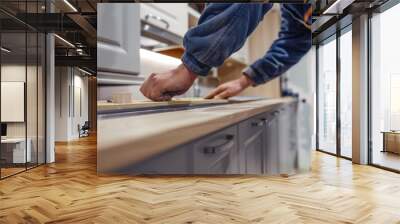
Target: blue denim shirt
[{"x": 224, "y": 27}]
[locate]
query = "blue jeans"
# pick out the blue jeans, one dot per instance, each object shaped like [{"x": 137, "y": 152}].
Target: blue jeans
[{"x": 224, "y": 27}]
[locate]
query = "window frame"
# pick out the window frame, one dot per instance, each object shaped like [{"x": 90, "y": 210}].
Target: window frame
[{"x": 334, "y": 37}]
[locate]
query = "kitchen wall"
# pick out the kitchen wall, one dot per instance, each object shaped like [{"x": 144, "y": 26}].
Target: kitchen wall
[
  {"x": 256, "y": 46},
  {"x": 259, "y": 42}
]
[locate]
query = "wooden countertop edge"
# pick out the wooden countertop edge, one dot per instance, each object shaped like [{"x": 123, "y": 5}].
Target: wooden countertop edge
[
  {"x": 101, "y": 107},
  {"x": 116, "y": 156}
]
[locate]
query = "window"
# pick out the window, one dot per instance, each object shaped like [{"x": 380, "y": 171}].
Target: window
[
  {"x": 385, "y": 89},
  {"x": 334, "y": 106},
  {"x": 327, "y": 97},
  {"x": 346, "y": 93}
]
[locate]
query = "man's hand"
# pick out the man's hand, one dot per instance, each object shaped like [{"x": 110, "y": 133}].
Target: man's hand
[
  {"x": 163, "y": 86},
  {"x": 231, "y": 88}
]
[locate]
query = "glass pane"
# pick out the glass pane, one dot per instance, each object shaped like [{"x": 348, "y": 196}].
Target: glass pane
[
  {"x": 13, "y": 86},
  {"x": 327, "y": 97},
  {"x": 23, "y": 89},
  {"x": 346, "y": 94},
  {"x": 385, "y": 86},
  {"x": 32, "y": 98}
]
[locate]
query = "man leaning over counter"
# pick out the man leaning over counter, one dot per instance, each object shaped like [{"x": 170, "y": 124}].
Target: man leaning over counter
[{"x": 222, "y": 30}]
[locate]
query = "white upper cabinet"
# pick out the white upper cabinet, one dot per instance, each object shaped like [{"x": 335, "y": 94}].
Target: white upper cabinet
[
  {"x": 171, "y": 16},
  {"x": 118, "y": 39}
]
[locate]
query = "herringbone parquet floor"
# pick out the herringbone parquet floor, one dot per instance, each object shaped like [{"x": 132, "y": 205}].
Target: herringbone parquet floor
[{"x": 69, "y": 191}]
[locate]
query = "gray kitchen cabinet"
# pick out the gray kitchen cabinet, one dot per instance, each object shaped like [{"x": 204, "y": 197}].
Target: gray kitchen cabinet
[
  {"x": 118, "y": 42},
  {"x": 263, "y": 144},
  {"x": 216, "y": 153},
  {"x": 175, "y": 161},
  {"x": 213, "y": 154},
  {"x": 251, "y": 145}
]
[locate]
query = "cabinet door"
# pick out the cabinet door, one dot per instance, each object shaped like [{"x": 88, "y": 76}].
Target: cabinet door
[
  {"x": 170, "y": 16},
  {"x": 271, "y": 149},
  {"x": 217, "y": 153},
  {"x": 118, "y": 33},
  {"x": 251, "y": 144}
]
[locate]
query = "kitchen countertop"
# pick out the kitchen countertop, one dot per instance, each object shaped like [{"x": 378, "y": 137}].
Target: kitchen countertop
[{"x": 125, "y": 140}]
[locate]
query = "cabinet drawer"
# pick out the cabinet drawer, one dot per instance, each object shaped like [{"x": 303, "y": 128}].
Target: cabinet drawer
[
  {"x": 252, "y": 125},
  {"x": 170, "y": 16},
  {"x": 217, "y": 153},
  {"x": 174, "y": 161}
]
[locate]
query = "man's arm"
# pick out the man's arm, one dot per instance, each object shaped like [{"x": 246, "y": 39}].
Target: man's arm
[
  {"x": 222, "y": 30},
  {"x": 293, "y": 43}
]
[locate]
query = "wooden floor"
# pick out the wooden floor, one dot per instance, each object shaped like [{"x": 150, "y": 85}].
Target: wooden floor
[
  {"x": 69, "y": 191},
  {"x": 5, "y": 172},
  {"x": 386, "y": 159}
]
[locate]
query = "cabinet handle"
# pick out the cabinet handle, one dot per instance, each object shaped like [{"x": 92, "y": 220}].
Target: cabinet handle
[
  {"x": 213, "y": 149},
  {"x": 259, "y": 123},
  {"x": 275, "y": 113},
  {"x": 151, "y": 16}
]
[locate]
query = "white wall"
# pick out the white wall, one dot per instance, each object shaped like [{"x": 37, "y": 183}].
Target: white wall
[
  {"x": 34, "y": 126},
  {"x": 79, "y": 117},
  {"x": 70, "y": 83},
  {"x": 62, "y": 81},
  {"x": 15, "y": 72}
]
